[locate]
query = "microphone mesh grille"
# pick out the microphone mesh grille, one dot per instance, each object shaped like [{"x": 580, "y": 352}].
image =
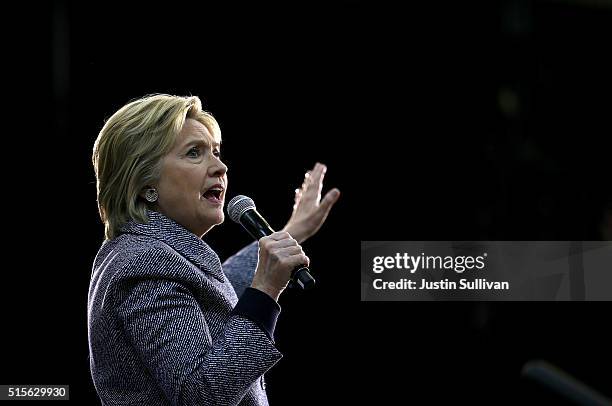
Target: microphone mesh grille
[{"x": 238, "y": 205}]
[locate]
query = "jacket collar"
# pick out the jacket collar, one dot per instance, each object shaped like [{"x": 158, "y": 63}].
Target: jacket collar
[{"x": 180, "y": 239}]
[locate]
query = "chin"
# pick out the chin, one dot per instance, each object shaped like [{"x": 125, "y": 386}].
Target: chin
[
  {"x": 208, "y": 222},
  {"x": 215, "y": 221}
]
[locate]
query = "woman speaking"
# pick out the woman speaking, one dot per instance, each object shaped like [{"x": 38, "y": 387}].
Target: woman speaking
[{"x": 167, "y": 322}]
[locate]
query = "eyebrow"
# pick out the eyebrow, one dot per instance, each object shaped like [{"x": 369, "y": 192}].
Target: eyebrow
[{"x": 194, "y": 141}]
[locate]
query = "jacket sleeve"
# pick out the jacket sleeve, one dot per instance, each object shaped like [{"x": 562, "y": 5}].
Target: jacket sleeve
[
  {"x": 240, "y": 268},
  {"x": 164, "y": 323}
]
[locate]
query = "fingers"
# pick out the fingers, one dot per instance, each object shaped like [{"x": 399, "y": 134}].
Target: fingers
[
  {"x": 278, "y": 236},
  {"x": 306, "y": 177},
  {"x": 306, "y": 182},
  {"x": 313, "y": 183},
  {"x": 284, "y": 248},
  {"x": 279, "y": 240},
  {"x": 299, "y": 260},
  {"x": 293, "y": 257},
  {"x": 310, "y": 192},
  {"x": 289, "y": 242},
  {"x": 289, "y": 251}
]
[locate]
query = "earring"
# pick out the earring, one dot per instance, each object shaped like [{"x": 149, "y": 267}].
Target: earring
[{"x": 151, "y": 195}]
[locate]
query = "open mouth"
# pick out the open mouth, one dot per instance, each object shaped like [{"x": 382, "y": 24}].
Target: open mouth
[{"x": 214, "y": 195}]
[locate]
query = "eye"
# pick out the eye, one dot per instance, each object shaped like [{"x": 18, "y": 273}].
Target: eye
[
  {"x": 217, "y": 153},
  {"x": 193, "y": 152}
]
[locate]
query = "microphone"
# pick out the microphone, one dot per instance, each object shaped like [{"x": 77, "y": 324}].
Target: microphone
[{"x": 242, "y": 210}]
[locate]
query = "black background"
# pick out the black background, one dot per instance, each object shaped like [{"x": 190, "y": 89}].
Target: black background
[{"x": 438, "y": 121}]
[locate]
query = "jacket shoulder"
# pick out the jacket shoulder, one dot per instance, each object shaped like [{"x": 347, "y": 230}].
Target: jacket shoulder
[
  {"x": 128, "y": 260},
  {"x": 138, "y": 256}
]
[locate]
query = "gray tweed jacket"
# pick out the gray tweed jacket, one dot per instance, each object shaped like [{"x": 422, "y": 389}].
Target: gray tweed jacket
[{"x": 160, "y": 325}]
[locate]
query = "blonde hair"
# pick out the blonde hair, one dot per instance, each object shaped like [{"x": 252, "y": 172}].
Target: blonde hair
[{"x": 128, "y": 152}]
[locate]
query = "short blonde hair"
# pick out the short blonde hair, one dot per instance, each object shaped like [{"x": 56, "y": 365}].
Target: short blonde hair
[{"x": 128, "y": 152}]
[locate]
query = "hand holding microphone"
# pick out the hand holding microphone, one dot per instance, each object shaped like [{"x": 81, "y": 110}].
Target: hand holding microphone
[{"x": 280, "y": 256}]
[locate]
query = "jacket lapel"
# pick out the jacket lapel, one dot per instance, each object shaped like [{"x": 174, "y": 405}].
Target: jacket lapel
[{"x": 180, "y": 239}]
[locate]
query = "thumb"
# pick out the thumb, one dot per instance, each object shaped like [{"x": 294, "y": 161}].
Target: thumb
[{"x": 330, "y": 198}]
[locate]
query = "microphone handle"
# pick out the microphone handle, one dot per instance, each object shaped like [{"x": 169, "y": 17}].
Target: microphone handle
[
  {"x": 258, "y": 227},
  {"x": 301, "y": 278}
]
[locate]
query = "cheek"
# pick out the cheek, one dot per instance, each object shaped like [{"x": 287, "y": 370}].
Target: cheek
[
  {"x": 171, "y": 183},
  {"x": 177, "y": 184}
]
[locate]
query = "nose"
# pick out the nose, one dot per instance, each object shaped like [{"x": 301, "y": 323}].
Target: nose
[{"x": 217, "y": 169}]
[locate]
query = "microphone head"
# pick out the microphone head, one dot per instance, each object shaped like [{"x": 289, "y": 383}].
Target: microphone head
[{"x": 238, "y": 205}]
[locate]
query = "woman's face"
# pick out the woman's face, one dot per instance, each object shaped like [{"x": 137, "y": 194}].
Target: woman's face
[{"x": 193, "y": 180}]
